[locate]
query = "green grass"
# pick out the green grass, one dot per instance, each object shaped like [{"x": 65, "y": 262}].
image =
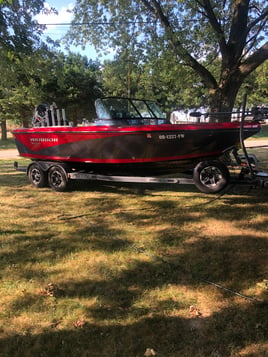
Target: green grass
[
  {"x": 263, "y": 134},
  {"x": 114, "y": 270},
  {"x": 7, "y": 144}
]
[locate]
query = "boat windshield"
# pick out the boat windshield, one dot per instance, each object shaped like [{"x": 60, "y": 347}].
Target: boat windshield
[{"x": 124, "y": 108}]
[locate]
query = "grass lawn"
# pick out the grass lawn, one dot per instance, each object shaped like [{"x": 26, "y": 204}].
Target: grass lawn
[
  {"x": 130, "y": 270},
  {"x": 7, "y": 144},
  {"x": 263, "y": 134}
]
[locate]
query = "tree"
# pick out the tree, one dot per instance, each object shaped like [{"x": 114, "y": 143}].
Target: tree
[
  {"x": 19, "y": 31},
  {"x": 19, "y": 38},
  {"x": 198, "y": 33},
  {"x": 73, "y": 82},
  {"x": 258, "y": 86},
  {"x": 122, "y": 76},
  {"x": 21, "y": 87},
  {"x": 161, "y": 79}
]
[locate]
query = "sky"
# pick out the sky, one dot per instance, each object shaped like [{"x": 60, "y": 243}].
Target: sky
[{"x": 57, "y": 32}]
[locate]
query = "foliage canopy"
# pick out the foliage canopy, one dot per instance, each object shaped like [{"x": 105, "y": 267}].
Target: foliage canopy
[
  {"x": 33, "y": 71},
  {"x": 197, "y": 33},
  {"x": 19, "y": 31}
]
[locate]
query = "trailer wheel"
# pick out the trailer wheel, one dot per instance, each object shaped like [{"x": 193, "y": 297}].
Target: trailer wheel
[
  {"x": 57, "y": 178},
  {"x": 211, "y": 176},
  {"x": 37, "y": 176}
]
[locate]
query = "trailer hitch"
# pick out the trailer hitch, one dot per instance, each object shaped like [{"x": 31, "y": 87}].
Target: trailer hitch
[{"x": 19, "y": 168}]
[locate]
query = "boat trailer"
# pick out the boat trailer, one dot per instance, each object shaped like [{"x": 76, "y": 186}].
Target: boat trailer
[{"x": 210, "y": 176}]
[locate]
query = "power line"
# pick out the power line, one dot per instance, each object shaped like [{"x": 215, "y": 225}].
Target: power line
[{"x": 96, "y": 23}]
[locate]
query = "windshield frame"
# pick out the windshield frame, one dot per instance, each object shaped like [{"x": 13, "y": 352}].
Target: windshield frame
[{"x": 127, "y": 108}]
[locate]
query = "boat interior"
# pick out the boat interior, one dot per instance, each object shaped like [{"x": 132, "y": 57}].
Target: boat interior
[{"x": 115, "y": 111}]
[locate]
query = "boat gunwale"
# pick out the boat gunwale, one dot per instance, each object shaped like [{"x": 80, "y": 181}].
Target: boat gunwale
[{"x": 137, "y": 128}]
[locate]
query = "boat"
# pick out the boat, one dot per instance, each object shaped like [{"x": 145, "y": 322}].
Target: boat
[{"x": 128, "y": 137}]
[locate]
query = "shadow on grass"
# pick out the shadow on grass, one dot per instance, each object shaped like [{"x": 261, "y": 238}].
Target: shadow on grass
[
  {"x": 10, "y": 178},
  {"x": 233, "y": 260},
  {"x": 224, "y": 334}
]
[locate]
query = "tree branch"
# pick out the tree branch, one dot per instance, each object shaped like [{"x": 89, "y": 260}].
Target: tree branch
[
  {"x": 179, "y": 49},
  {"x": 258, "y": 19},
  {"x": 255, "y": 60},
  {"x": 206, "y": 5},
  {"x": 251, "y": 42}
]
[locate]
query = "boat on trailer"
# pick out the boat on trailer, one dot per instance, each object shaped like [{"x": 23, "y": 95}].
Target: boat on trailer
[{"x": 130, "y": 140}]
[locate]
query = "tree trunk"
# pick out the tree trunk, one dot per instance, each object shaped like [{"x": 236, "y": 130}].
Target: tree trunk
[
  {"x": 25, "y": 123},
  {"x": 221, "y": 103},
  {"x": 3, "y": 130},
  {"x": 223, "y": 96}
]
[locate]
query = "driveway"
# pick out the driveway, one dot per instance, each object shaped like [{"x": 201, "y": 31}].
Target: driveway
[
  {"x": 9, "y": 154},
  {"x": 251, "y": 143}
]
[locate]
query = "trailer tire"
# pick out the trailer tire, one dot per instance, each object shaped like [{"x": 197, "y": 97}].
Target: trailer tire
[
  {"x": 57, "y": 178},
  {"x": 37, "y": 176},
  {"x": 211, "y": 176}
]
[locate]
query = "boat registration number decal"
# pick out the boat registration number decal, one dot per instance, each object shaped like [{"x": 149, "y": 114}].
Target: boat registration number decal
[{"x": 171, "y": 136}]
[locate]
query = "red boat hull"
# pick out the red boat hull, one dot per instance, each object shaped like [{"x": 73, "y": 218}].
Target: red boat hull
[{"x": 131, "y": 145}]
